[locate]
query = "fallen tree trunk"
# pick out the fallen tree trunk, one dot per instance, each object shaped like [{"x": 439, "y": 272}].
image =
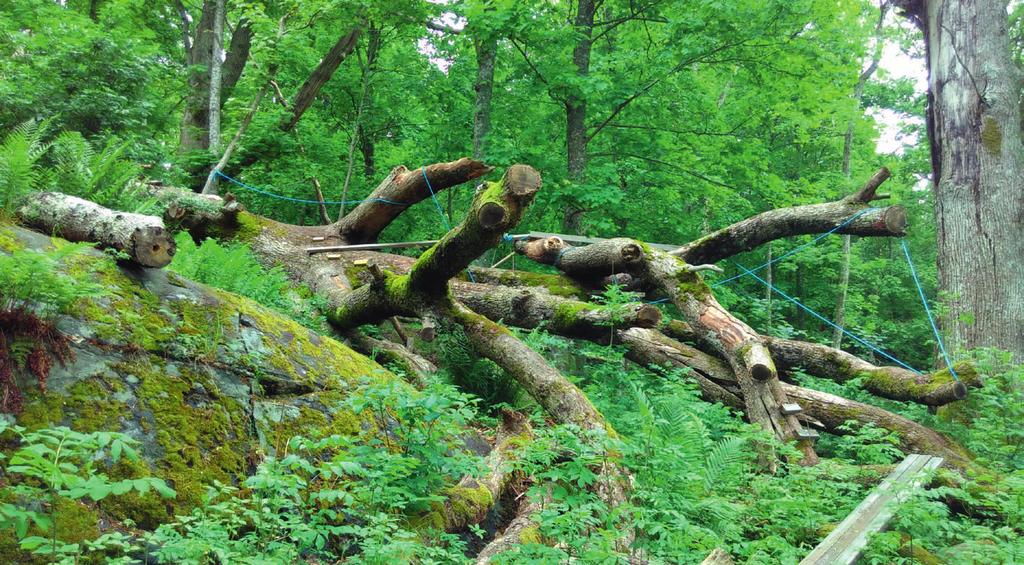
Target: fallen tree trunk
[
  {"x": 403, "y": 188},
  {"x": 896, "y": 383},
  {"x": 741, "y": 346},
  {"x": 718, "y": 384},
  {"x": 526, "y": 308},
  {"x": 142, "y": 238},
  {"x": 469, "y": 501},
  {"x": 801, "y": 220}
]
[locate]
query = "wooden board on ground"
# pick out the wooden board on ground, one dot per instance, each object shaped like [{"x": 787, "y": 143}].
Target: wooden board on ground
[
  {"x": 844, "y": 545},
  {"x": 717, "y": 557}
]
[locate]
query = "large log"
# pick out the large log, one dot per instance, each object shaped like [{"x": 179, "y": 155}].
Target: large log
[
  {"x": 529, "y": 308},
  {"x": 142, "y": 238},
  {"x": 403, "y": 188},
  {"x": 741, "y": 346},
  {"x": 896, "y": 383},
  {"x": 718, "y": 384},
  {"x": 801, "y": 220}
]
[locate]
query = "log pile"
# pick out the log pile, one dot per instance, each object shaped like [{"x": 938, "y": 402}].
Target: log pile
[{"x": 731, "y": 362}]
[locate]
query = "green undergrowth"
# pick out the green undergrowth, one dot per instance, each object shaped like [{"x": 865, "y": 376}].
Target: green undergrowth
[{"x": 234, "y": 268}]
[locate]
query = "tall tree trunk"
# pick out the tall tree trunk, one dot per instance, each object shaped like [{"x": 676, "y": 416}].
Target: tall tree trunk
[
  {"x": 216, "y": 64},
  {"x": 194, "y": 119},
  {"x": 372, "y": 47},
  {"x": 974, "y": 127},
  {"x": 576, "y": 111},
  {"x": 486, "y": 54},
  {"x": 839, "y": 317}
]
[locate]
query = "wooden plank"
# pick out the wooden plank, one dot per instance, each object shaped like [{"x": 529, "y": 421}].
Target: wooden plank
[
  {"x": 845, "y": 543},
  {"x": 587, "y": 240},
  {"x": 370, "y": 246},
  {"x": 791, "y": 409}
]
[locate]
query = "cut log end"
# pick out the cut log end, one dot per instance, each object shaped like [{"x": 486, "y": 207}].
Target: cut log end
[
  {"x": 959, "y": 390},
  {"x": 491, "y": 215},
  {"x": 896, "y": 220},
  {"x": 648, "y": 316},
  {"x": 522, "y": 180},
  {"x": 759, "y": 361},
  {"x": 631, "y": 252}
]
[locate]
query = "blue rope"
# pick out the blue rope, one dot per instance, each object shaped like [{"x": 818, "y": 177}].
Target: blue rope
[
  {"x": 928, "y": 311},
  {"x": 798, "y": 248},
  {"x": 433, "y": 197},
  {"x": 303, "y": 201},
  {"x": 440, "y": 211},
  {"x": 826, "y": 320}
]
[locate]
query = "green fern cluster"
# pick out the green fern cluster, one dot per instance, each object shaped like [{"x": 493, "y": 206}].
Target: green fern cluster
[
  {"x": 233, "y": 267},
  {"x": 68, "y": 164},
  {"x": 31, "y": 280}
]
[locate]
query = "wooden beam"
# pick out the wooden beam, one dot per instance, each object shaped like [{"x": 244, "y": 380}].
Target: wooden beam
[
  {"x": 844, "y": 545},
  {"x": 428, "y": 242}
]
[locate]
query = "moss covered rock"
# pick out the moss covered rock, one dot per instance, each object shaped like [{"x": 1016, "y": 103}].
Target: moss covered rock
[{"x": 207, "y": 381}]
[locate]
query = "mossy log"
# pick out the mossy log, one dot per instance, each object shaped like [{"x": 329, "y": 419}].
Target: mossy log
[
  {"x": 142, "y": 238},
  {"x": 718, "y": 384},
  {"x": 523, "y": 529},
  {"x": 896, "y": 383},
  {"x": 528, "y": 308},
  {"x": 670, "y": 276},
  {"x": 471, "y": 499},
  {"x": 801, "y": 220}
]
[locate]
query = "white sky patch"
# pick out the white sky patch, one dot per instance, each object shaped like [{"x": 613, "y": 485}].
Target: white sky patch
[{"x": 898, "y": 64}]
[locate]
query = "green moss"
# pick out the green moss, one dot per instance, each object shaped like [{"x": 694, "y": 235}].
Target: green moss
[
  {"x": 530, "y": 534},
  {"x": 8, "y": 242},
  {"x": 991, "y": 135},
  {"x": 566, "y": 314},
  {"x": 250, "y": 227},
  {"x": 193, "y": 455},
  {"x": 463, "y": 505}
]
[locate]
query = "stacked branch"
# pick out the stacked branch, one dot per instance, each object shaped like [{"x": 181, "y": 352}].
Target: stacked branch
[
  {"x": 732, "y": 364},
  {"x": 740, "y": 345}
]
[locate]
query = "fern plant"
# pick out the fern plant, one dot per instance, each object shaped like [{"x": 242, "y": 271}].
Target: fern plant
[
  {"x": 20, "y": 152},
  {"x": 103, "y": 176}
]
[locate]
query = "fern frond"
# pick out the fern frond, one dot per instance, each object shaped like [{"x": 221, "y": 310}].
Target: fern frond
[{"x": 725, "y": 462}]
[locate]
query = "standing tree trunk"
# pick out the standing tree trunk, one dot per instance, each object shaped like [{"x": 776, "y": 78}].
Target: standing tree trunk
[
  {"x": 974, "y": 127},
  {"x": 858, "y": 94},
  {"x": 576, "y": 111},
  {"x": 195, "y": 117},
  {"x": 216, "y": 63},
  {"x": 486, "y": 54},
  {"x": 372, "y": 47}
]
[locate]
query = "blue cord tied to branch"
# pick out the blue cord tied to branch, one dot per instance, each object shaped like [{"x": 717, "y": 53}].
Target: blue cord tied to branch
[{"x": 302, "y": 200}]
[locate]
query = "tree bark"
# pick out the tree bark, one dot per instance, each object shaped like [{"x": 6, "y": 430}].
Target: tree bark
[
  {"x": 142, "y": 238},
  {"x": 195, "y": 117},
  {"x": 319, "y": 77},
  {"x": 801, "y": 220},
  {"x": 486, "y": 55},
  {"x": 974, "y": 128},
  {"x": 576, "y": 110},
  {"x": 216, "y": 65}
]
